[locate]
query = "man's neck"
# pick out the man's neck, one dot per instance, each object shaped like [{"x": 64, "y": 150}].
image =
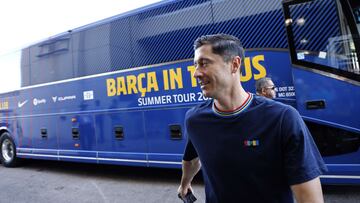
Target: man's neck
[{"x": 231, "y": 101}]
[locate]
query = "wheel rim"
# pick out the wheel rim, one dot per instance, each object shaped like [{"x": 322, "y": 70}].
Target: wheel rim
[{"x": 7, "y": 150}]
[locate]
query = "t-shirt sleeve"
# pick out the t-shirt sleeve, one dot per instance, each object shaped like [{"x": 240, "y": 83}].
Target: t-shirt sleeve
[
  {"x": 302, "y": 160},
  {"x": 190, "y": 152}
]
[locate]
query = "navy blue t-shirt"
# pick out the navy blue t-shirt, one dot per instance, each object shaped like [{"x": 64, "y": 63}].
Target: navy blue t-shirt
[{"x": 252, "y": 154}]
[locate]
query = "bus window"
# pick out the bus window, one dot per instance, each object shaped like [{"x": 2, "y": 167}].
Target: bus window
[
  {"x": 324, "y": 33},
  {"x": 355, "y": 5}
]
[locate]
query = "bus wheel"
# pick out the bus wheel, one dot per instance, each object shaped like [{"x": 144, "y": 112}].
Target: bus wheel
[{"x": 8, "y": 151}]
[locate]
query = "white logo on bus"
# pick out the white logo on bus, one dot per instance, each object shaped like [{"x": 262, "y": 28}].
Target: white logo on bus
[
  {"x": 72, "y": 97},
  {"x": 21, "y": 104},
  {"x": 54, "y": 98},
  {"x": 64, "y": 98},
  {"x": 88, "y": 95},
  {"x": 39, "y": 101}
]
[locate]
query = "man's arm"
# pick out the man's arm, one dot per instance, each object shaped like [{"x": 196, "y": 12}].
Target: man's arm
[
  {"x": 189, "y": 170},
  {"x": 308, "y": 192}
]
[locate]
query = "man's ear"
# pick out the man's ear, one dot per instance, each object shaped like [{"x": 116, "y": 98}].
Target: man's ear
[
  {"x": 263, "y": 91},
  {"x": 236, "y": 62}
]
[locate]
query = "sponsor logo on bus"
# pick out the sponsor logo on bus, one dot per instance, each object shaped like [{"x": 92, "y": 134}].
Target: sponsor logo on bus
[
  {"x": 88, "y": 95},
  {"x": 38, "y": 101},
  {"x": 21, "y": 104},
  {"x": 63, "y": 98}
]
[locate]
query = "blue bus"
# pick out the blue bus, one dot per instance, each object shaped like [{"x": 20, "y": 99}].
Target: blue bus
[{"x": 116, "y": 91}]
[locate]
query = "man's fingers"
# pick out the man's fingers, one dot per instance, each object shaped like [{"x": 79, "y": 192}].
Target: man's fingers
[{"x": 182, "y": 191}]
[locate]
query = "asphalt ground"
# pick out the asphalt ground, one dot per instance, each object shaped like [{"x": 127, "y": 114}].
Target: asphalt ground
[{"x": 51, "y": 181}]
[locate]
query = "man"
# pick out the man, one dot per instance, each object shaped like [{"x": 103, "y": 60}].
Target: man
[
  {"x": 250, "y": 149},
  {"x": 265, "y": 87}
]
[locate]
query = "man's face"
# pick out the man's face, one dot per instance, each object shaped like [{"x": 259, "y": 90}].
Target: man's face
[
  {"x": 212, "y": 72},
  {"x": 269, "y": 90}
]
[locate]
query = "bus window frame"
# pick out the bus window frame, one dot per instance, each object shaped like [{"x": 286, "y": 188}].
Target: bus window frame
[{"x": 306, "y": 64}]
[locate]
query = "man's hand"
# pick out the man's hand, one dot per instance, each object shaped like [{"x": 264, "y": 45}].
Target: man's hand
[
  {"x": 189, "y": 169},
  {"x": 183, "y": 190},
  {"x": 189, "y": 197}
]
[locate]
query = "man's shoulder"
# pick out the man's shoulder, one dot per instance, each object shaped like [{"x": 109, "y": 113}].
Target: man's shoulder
[
  {"x": 271, "y": 105},
  {"x": 199, "y": 108},
  {"x": 271, "y": 109}
]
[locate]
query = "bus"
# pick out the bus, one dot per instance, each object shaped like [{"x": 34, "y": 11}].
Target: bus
[{"x": 116, "y": 91}]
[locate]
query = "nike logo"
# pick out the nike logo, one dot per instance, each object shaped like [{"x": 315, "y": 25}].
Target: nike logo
[{"x": 20, "y": 104}]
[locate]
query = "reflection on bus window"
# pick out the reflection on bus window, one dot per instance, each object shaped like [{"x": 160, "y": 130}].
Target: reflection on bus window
[
  {"x": 328, "y": 43},
  {"x": 355, "y": 5},
  {"x": 342, "y": 54}
]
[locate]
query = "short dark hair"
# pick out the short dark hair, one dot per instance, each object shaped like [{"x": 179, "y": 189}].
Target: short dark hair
[
  {"x": 261, "y": 83},
  {"x": 227, "y": 46}
]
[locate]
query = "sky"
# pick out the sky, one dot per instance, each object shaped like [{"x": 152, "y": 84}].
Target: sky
[{"x": 24, "y": 22}]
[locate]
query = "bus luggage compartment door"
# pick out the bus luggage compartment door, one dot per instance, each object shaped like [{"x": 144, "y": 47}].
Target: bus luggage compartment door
[
  {"x": 121, "y": 138},
  {"x": 76, "y": 136},
  {"x": 166, "y": 138}
]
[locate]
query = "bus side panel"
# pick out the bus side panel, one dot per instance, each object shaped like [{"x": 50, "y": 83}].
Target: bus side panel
[
  {"x": 77, "y": 140},
  {"x": 44, "y": 138},
  {"x": 266, "y": 63},
  {"x": 341, "y": 103},
  {"x": 340, "y": 97},
  {"x": 24, "y": 136},
  {"x": 121, "y": 138},
  {"x": 166, "y": 136}
]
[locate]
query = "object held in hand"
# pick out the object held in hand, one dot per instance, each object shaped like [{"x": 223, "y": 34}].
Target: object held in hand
[{"x": 189, "y": 197}]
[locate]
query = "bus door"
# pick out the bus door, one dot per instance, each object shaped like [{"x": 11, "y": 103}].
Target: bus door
[{"x": 324, "y": 45}]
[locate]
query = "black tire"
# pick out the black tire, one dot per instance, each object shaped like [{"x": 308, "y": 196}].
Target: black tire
[{"x": 8, "y": 151}]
